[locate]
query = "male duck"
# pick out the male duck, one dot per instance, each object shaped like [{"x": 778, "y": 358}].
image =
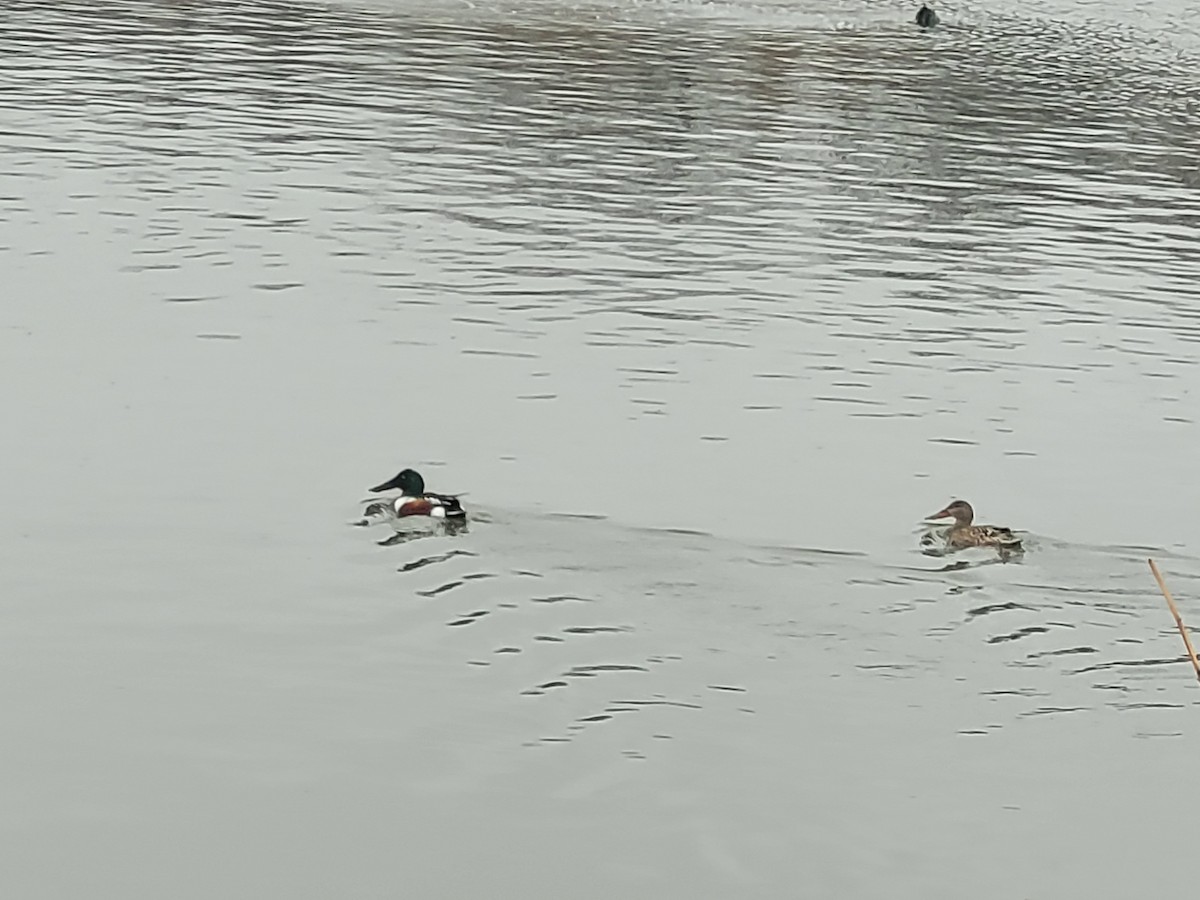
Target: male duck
[
  {"x": 963, "y": 534},
  {"x": 414, "y": 500},
  {"x": 926, "y": 17}
]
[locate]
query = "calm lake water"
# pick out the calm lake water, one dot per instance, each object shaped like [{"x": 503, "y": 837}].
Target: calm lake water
[{"x": 705, "y": 306}]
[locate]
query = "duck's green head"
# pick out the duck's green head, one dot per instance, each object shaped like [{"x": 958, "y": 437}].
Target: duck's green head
[{"x": 409, "y": 482}]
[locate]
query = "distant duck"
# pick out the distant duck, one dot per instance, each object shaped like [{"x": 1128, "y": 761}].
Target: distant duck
[
  {"x": 963, "y": 534},
  {"x": 414, "y": 500},
  {"x": 926, "y": 17}
]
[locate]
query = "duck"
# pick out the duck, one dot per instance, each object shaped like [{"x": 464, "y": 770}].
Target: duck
[
  {"x": 926, "y": 17},
  {"x": 963, "y": 534},
  {"x": 414, "y": 500}
]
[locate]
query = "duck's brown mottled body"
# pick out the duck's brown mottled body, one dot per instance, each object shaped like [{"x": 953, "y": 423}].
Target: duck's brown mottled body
[{"x": 963, "y": 534}]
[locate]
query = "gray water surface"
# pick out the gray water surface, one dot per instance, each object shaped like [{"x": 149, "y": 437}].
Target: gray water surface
[{"x": 705, "y": 306}]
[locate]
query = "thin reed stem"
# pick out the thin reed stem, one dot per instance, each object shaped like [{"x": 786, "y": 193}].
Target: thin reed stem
[{"x": 1183, "y": 632}]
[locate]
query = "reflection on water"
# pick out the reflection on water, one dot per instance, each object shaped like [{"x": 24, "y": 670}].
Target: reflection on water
[
  {"x": 630, "y": 167},
  {"x": 745, "y": 286}
]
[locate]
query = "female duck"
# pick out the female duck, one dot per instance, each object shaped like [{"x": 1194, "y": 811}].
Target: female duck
[
  {"x": 414, "y": 500},
  {"x": 963, "y": 534}
]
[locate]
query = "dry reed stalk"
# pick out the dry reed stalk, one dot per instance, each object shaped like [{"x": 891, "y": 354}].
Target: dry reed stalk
[{"x": 1183, "y": 632}]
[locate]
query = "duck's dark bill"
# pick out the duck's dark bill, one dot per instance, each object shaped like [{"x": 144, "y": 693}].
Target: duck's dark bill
[{"x": 387, "y": 485}]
